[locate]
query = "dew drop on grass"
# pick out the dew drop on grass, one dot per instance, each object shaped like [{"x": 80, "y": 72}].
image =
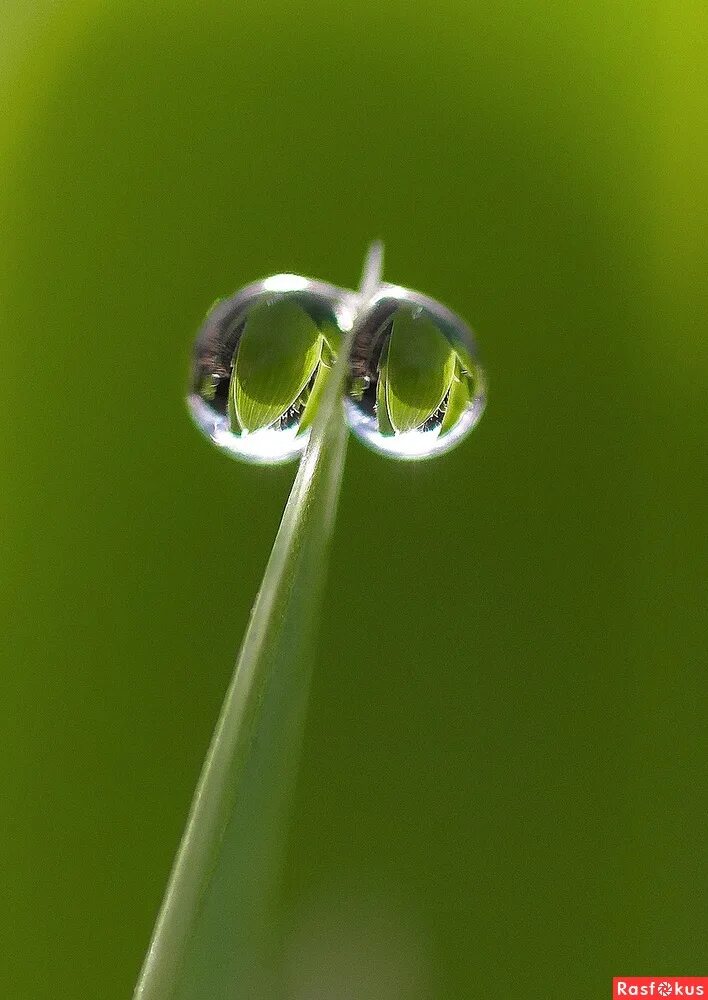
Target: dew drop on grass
[
  {"x": 259, "y": 366},
  {"x": 415, "y": 387}
]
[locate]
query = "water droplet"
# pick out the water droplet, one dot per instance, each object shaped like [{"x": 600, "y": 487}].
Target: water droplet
[
  {"x": 260, "y": 363},
  {"x": 415, "y": 388}
]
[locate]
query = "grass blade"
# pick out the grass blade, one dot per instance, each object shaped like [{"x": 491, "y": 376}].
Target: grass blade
[{"x": 213, "y": 939}]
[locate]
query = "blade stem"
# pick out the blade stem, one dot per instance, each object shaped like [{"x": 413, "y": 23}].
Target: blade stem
[{"x": 371, "y": 272}]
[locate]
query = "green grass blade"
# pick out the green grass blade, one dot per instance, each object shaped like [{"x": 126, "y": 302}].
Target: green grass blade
[
  {"x": 420, "y": 367},
  {"x": 385, "y": 425},
  {"x": 458, "y": 399},
  {"x": 212, "y": 938},
  {"x": 279, "y": 351}
]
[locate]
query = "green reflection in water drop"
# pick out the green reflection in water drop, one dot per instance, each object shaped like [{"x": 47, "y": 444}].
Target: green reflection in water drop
[
  {"x": 259, "y": 369},
  {"x": 415, "y": 388}
]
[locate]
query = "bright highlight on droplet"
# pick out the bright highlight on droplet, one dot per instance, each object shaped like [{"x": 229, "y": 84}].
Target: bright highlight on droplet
[{"x": 285, "y": 283}]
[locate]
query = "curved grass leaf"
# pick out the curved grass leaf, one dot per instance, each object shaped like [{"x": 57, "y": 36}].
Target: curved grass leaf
[
  {"x": 464, "y": 357},
  {"x": 420, "y": 368},
  {"x": 214, "y": 935},
  {"x": 315, "y": 398},
  {"x": 333, "y": 338},
  {"x": 277, "y": 355},
  {"x": 384, "y": 422},
  {"x": 457, "y": 400}
]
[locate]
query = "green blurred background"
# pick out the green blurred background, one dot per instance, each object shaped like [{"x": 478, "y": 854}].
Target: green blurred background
[{"x": 503, "y": 789}]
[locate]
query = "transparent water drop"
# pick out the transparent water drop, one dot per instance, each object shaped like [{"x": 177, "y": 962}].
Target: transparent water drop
[
  {"x": 260, "y": 362},
  {"x": 415, "y": 386}
]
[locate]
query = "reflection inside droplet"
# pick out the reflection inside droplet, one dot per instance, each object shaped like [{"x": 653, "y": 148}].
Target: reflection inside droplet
[
  {"x": 261, "y": 360},
  {"x": 415, "y": 387}
]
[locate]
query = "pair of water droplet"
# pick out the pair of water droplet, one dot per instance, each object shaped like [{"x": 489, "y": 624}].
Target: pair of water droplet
[{"x": 262, "y": 358}]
